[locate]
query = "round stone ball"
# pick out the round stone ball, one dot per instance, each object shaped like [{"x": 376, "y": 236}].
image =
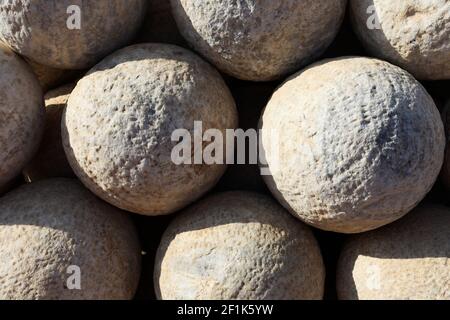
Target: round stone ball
[
  {"x": 50, "y": 160},
  {"x": 238, "y": 245},
  {"x": 22, "y": 115},
  {"x": 120, "y": 121},
  {"x": 351, "y": 144},
  {"x": 405, "y": 260},
  {"x": 413, "y": 34},
  {"x": 61, "y": 242},
  {"x": 445, "y": 174},
  {"x": 69, "y": 34},
  {"x": 259, "y": 40}
]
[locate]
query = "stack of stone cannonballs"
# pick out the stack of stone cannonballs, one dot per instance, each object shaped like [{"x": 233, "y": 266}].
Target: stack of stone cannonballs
[{"x": 100, "y": 107}]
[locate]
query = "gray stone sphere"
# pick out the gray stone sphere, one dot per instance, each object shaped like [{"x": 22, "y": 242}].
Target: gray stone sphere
[
  {"x": 50, "y": 160},
  {"x": 61, "y": 242},
  {"x": 238, "y": 245},
  {"x": 259, "y": 40},
  {"x": 119, "y": 121},
  {"x": 405, "y": 260},
  {"x": 47, "y": 32},
  {"x": 22, "y": 115},
  {"x": 351, "y": 144},
  {"x": 413, "y": 34}
]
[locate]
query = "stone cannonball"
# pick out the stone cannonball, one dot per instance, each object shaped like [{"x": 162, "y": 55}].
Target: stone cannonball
[
  {"x": 405, "y": 260},
  {"x": 120, "y": 120},
  {"x": 22, "y": 115},
  {"x": 238, "y": 245},
  {"x": 259, "y": 40},
  {"x": 413, "y": 34},
  {"x": 351, "y": 144},
  {"x": 50, "y": 161},
  {"x": 58, "y": 241},
  {"x": 69, "y": 34}
]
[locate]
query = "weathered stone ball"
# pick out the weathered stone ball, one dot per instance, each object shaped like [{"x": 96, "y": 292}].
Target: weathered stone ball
[
  {"x": 351, "y": 144},
  {"x": 238, "y": 245},
  {"x": 50, "y": 160},
  {"x": 413, "y": 34},
  {"x": 120, "y": 121},
  {"x": 69, "y": 34},
  {"x": 405, "y": 260},
  {"x": 21, "y": 115},
  {"x": 61, "y": 242},
  {"x": 259, "y": 40}
]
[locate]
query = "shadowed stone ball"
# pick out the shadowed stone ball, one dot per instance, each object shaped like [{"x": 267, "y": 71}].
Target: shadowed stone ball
[
  {"x": 61, "y": 242},
  {"x": 69, "y": 34},
  {"x": 351, "y": 144},
  {"x": 259, "y": 40},
  {"x": 238, "y": 245},
  {"x": 22, "y": 115},
  {"x": 405, "y": 260},
  {"x": 120, "y": 120},
  {"x": 413, "y": 34},
  {"x": 50, "y": 160}
]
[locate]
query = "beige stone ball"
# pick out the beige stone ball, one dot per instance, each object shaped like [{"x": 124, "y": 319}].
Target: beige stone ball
[
  {"x": 259, "y": 40},
  {"x": 119, "y": 124},
  {"x": 69, "y": 34},
  {"x": 58, "y": 241},
  {"x": 238, "y": 245},
  {"x": 413, "y": 34},
  {"x": 405, "y": 260},
  {"x": 22, "y": 115},
  {"x": 351, "y": 144}
]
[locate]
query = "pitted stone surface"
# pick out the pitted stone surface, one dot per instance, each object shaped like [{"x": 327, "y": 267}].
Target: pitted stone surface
[
  {"x": 48, "y": 227},
  {"x": 21, "y": 115},
  {"x": 238, "y": 245},
  {"x": 413, "y": 34},
  {"x": 259, "y": 40},
  {"x": 38, "y": 29},
  {"x": 361, "y": 142},
  {"x": 409, "y": 259},
  {"x": 119, "y": 122}
]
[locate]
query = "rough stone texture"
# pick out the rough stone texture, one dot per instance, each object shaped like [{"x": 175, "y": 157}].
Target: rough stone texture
[
  {"x": 21, "y": 115},
  {"x": 119, "y": 122},
  {"x": 259, "y": 40},
  {"x": 159, "y": 25},
  {"x": 238, "y": 245},
  {"x": 361, "y": 142},
  {"x": 413, "y": 34},
  {"x": 445, "y": 174},
  {"x": 38, "y": 29},
  {"x": 406, "y": 260},
  {"x": 50, "y": 160},
  {"x": 47, "y": 226}
]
